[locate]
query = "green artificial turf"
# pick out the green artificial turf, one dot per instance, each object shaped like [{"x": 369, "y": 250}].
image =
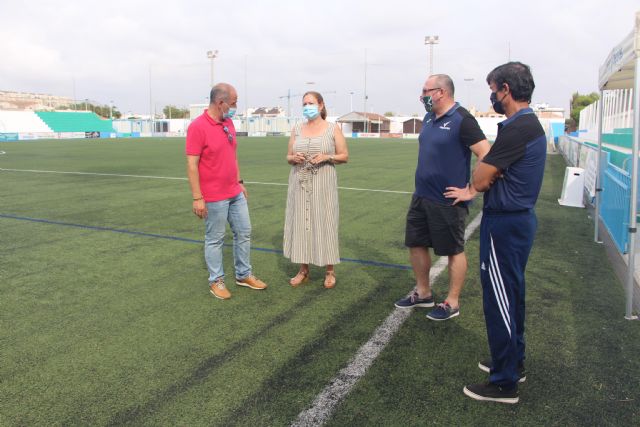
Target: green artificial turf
[{"x": 107, "y": 319}]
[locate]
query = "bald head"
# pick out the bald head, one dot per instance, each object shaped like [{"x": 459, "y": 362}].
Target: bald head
[
  {"x": 222, "y": 92},
  {"x": 444, "y": 81}
]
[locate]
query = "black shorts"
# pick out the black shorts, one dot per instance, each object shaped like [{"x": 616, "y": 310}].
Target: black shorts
[{"x": 436, "y": 226}]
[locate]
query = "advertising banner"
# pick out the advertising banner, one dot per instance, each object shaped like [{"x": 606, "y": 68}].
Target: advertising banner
[{"x": 8, "y": 136}]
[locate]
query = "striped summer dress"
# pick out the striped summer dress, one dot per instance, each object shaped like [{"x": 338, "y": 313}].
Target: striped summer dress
[{"x": 311, "y": 217}]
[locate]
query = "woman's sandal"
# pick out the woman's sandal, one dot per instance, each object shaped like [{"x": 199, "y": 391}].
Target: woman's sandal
[
  {"x": 299, "y": 278},
  {"x": 330, "y": 280}
]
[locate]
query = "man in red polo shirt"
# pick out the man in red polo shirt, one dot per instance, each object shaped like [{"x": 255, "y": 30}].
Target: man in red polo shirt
[{"x": 218, "y": 192}]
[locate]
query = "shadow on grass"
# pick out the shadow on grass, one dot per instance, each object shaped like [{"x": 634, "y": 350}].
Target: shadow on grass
[
  {"x": 294, "y": 386},
  {"x": 207, "y": 368}
]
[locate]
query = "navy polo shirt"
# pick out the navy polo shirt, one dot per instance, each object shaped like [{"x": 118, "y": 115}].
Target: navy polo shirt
[
  {"x": 444, "y": 157},
  {"x": 519, "y": 153}
]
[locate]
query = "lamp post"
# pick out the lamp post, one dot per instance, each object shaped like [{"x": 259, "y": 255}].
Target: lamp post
[
  {"x": 150, "y": 103},
  {"x": 366, "y": 119},
  {"x": 75, "y": 100},
  {"x": 468, "y": 83},
  {"x": 246, "y": 97},
  {"x": 212, "y": 54},
  {"x": 431, "y": 40},
  {"x": 351, "y": 102}
]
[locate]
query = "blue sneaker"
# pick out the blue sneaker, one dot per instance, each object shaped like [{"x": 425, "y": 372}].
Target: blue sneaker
[
  {"x": 414, "y": 300},
  {"x": 443, "y": 312}
]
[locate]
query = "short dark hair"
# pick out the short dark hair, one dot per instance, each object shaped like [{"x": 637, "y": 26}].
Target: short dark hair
[{"x": 519, "y": 78}]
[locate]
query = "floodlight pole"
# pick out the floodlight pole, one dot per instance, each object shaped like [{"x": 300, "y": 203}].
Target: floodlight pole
[
  {"x": 246, "y": 97},
  {"x": 75, "y": 101},
  {"x": 212, "y": 54},
  {"x": 366, "y": 119},
  {"x": 150, "y": 104},
  {"x": 468, "y": 80},
  {"x": 351, "y": 102},
  {"x": 431, "y": 40},
  {"x": 111, "y": 109}
]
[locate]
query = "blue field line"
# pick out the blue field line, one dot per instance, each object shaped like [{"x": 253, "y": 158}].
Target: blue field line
[{"x": 184, "y": 239}]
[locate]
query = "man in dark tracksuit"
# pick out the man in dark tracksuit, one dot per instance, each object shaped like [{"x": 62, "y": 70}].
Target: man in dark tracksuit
[{"x": 511, "y": 177}]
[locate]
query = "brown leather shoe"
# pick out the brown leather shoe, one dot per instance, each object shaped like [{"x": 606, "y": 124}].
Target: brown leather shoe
[
  {"x": 251, "y": 282},
  {"x": 219, "y": 290},
  {"x": 300, "y": 278},
  {"x": 330, "y": 280}
]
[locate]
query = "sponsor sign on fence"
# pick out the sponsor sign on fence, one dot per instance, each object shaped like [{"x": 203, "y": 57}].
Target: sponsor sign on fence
[
  {"x": 71, "y": 135},
  {"x": 365, "y": 135},
  {"x": 8, "y": 136},
  {"x": 28, "y": 136},
  {"x": 590, "y": 171}
]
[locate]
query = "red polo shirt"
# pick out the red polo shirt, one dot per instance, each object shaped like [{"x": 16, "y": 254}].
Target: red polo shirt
[{"x": 218, "y": 166}]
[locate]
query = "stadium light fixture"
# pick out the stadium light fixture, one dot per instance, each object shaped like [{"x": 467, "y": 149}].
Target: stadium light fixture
[
  {"x": 430, "y": 41},
  {"x": 212, "y": 54}
]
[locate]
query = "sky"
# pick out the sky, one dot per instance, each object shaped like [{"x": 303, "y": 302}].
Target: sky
[{"x": 143, "y": 55}]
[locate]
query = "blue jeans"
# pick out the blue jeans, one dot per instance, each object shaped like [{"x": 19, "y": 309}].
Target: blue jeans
[{"x": 236, "y": 211}]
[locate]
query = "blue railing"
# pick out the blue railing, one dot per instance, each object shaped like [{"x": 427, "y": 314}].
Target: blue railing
[
  {"x": 614, "y": 207},
  {"x": 615, "y": 198}
]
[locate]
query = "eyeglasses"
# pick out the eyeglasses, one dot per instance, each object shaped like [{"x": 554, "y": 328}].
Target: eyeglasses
[
  {"x": 426, "y": 91},
  {"x": 229, "y": 136}
]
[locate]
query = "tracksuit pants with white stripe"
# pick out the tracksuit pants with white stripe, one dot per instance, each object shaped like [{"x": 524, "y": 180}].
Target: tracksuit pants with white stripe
[{"x": 506, "y": 239}]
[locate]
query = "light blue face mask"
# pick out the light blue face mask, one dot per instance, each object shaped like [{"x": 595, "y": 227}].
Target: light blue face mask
[
  {"x": 229, "y": 114},
  {"x": 310, "y": 111}
]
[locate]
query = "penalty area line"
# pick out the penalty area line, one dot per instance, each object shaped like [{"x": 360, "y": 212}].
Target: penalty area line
[
  {"x": 327, "y": 401},
  {"x": 116, "y": 175}
]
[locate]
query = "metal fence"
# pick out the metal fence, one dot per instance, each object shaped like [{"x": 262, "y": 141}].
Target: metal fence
[
  {"x": 618, "y": 113},
  {"x": 616, "y": 188},
  {"x": 614, "y": 207}
]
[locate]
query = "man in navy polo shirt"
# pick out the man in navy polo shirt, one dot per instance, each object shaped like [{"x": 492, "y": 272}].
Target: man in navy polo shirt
[
  {"x": 511, "y": 177},
  {"x": 436, "y": 217}
]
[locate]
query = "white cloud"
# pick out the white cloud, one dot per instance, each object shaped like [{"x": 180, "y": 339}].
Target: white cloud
[{"x": 108, "y": 48}]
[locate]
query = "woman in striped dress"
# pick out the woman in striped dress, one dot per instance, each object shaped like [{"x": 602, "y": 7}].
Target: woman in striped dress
[{"x": 311, "y": 218}]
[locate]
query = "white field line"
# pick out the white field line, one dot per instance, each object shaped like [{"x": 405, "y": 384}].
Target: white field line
[
  {"x": 93, "y": 173},
  {"x": 2, "y": 152},
  {"x": 326, "y": 402},
  {"x": 184, "y": 179}
]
